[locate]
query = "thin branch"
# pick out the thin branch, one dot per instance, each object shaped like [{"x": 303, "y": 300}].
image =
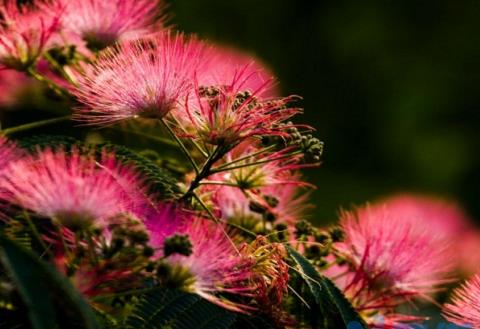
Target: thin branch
[
  {"x": 182, "y": 146},
  {"x": 218, "y": 170},
  {"x": 33, "y": 125}
]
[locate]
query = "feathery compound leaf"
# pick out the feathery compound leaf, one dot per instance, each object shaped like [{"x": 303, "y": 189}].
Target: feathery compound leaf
[
  {"x": 159, "y": 180},
  {"x": 333, "y": 303},
  {"x": 166, "y": 308},
  {"x": 309, "y": 274},
  {"x": 47, "y": 295},
  {"x": 156, "y": 309},
  {"x": 43, "y": 141}
]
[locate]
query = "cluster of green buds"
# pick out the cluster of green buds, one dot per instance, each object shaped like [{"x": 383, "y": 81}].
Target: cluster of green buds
[
  {"x": 170, "y": 274},
  {"x": 265, "y": 207},
  {"x": 310, "y": 146},
  {"x": 317, "y": 243},
  {"x": 62, "y": 55},
  {"x": 126, "y": 251}
]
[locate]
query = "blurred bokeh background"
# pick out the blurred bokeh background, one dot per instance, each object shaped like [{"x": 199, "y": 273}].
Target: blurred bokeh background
[{"x": 392, "y": 88}]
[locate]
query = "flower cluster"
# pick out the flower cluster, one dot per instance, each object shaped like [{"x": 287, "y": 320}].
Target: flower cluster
[
  {"x": 389, "y": 261},
  {"x": 214, "y": 204},
  {"x": 25, "y": 32}
]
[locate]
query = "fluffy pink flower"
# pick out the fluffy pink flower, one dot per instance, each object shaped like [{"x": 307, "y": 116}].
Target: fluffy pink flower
[
  {"x": 9, "y": 153},
  {"x": 230, "y": 113},
  {"x": 391, "y": 261},
  {"x": 25, "y": 32},
  {"x": 142, "y": 78},
  {"x": 73, "y": 189},
  {"x": 445, "y": 219},
  {"x": 464, "y": 308},
  {"x": 102, "y": 23},
  {"x": 214, "y": 265},
  {"x": 226, "y": 63}
]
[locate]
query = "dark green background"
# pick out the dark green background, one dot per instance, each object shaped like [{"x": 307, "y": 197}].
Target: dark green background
[{"x": 391, "y": 87}]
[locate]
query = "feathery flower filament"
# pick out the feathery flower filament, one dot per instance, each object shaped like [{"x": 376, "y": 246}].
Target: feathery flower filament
[
  {"x": 269, "y": 272},
  {"x": 464, "y": 308},
  {"x": 226, "y": 63},
  {"x": 445, "y": 219},
  {"x": 391, "y": 261},
  {"x": 102, "y": 23},
  {"x": 70, "y": 188},
  {"x": 142, "y": 78},
  {"x": 229, "y": 114},
  {"x": 211, "y": 268}
]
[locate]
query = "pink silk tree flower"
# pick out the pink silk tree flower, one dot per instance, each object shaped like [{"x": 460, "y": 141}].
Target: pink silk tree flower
[
  {"x": 464, "y": 308},
  {"x": 229, "y": 114},
  {"x": 227, "y": 62},
  {"x": 391, "y": 261},
  {"x": 25, "y": 32},
  {"x": 212, "y": 265},
  {"x": 72, "y": 189},
  {"x": 9, "y": 153},
  {"x": 102, "y": 23},
  {"x": 445, "y": 219},
  {"x": 142, "y": 78}
]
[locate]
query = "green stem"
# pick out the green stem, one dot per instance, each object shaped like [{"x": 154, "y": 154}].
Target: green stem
[
  {"x": 59, "y": 68},
  {"x": 37, "y": 235},
  {"x": 51, "y": 84},
  {"x": 216, "y": 220},
  {"x": 91, "y": 248},
  {"x": 62, "y": 239},
  {"x": 210, "y": 182},
  {"x": 197, "y": 146},
  {"x": 218, "y": 170},
  {"x": 158, "y": 139},
  {"x": 182, "y": 146},
  {"x": 33, "y": 125},
  {"x": 204, "y": 172},
  {"x": 246, "y": 157}
]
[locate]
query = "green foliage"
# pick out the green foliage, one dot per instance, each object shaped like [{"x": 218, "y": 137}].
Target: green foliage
[
  {"x": 37, "y": 142},
  {"x": 334, "y": 306},
  {"x": 174, "y": 309},
  {"x": 159, "y": 180},
  {"x": 49, "y": 297}
]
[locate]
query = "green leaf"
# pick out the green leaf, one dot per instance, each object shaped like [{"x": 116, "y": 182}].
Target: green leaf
[
  {"x": 174, "y": 309},
  {"x": 33, "y": 143},
  {"x": 47, "y": 295},
  {"x": 326, "y": 294}
]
